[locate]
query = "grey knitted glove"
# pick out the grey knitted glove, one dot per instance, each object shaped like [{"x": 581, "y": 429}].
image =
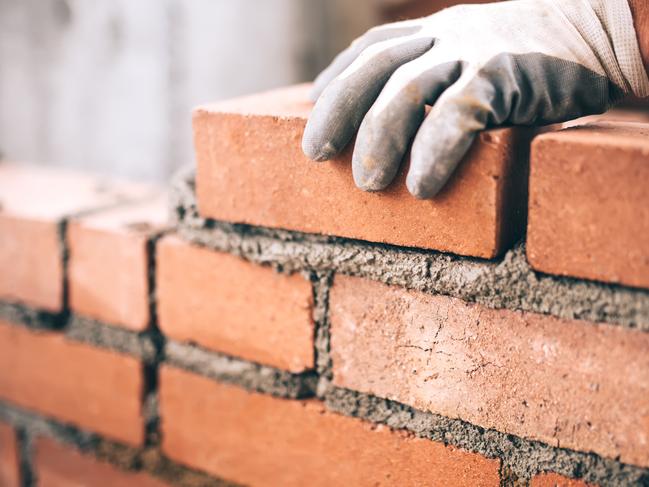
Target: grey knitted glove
[{"x": 521, "y": 62}]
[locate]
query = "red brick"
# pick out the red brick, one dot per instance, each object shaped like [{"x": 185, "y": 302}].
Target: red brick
[
  {"x": 31, "y": 263},
  {"x": 61, "y": 466},
  {"x": 555, "y": 480},
  {"x": 9, "y": 470},
  {"x": 108, "y": 266},
  {"x": 251, "y": 170},
  {"x": 233, "y": 306},
  {"x": 589, "y": 208},
  {"x": 88, "y": 387},
  {"x": 255, "y": 439},
  {"x": 573, "y": 384},
  {"x": 33, "y": 200}
]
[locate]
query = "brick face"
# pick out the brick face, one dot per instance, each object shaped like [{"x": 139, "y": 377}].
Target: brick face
[
  {"x": 588, "y": 217},
  {"x": 555, "y": 480},
  {"x": 229, "y": 305},
  {"x": 33, "y": 201},
  {"x": 108, "y": 263},
  {"x": 88, "y": 387},
  {"x": 535, "y": 376},
  {"x": 9, "y": 473},
  {"x": 31, "y": 263},
  {"x": 62, "y": 466},
  {"x": 250, "y": 169},
  {"x": 261, "y": 440}
]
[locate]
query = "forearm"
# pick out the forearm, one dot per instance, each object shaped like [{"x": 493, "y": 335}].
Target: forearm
[{"x": 640, "y": 10}]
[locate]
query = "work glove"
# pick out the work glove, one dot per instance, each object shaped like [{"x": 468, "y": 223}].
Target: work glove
[{"x": 520, "y": 62}]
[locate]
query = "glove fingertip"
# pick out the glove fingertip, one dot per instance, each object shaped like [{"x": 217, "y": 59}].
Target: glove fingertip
[
  {"x": 316, "y": 151},
  {"x": 422, "y": 191},
  {"x": 422, "y": 185}
]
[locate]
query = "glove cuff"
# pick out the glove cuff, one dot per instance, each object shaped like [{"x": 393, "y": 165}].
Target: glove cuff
[{"x": 607, "y": 26}]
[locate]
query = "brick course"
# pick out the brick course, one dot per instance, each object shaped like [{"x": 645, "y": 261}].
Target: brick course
[
  {"x": 62, "y": 466},
  {"x": 9, "y": 472},
  {"x": 88, "y": 387},
  {"x": 261, "y": 440},
  {"x": 109, "y": 263},
  {"x": 229, "y": 305},
  {"x": 33, "y": 202},
  {"x": 589, "y": 208},
  {"x": 251, "y": 170},
  {"x": 535, "y": 376}
]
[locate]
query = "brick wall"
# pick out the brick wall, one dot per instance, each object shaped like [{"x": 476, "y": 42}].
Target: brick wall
[{"x": 294, "y": 331}]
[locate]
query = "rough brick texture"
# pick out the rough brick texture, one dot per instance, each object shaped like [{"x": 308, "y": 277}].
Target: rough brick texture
[
  {"x": 589, "y": 207},
  {"x": 33, "y": 201},
  {"x": 88, "y": 387},
  {"x": 532, "y": 375},
  {"x": 250, "y": 169},
  {"x": 9, "y": 472},
  {"x": 555, "y": 480},
  {"x": 108, "y": 264},
  {"x": 61, "y": 466},
  {"x": 261, "y": 440},
  {"x": 232, "y": 306}
]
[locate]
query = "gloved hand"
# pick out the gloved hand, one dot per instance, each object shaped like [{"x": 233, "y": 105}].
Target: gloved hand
[{"x": 520, "y": 62}]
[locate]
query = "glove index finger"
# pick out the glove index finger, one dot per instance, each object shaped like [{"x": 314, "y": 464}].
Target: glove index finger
[
  {"x": 349, "y": 55},
  {"x": 343, "y": 104}
]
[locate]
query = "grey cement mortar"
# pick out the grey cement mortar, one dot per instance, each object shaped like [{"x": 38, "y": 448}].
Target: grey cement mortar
[
  {"x": 25, "y": 447},
  {"x": 31, "y": 318},
  {"x": 97, "y": 334},
  {"x": 321, "y": 285},
  {"x": 31, "y": 426},
  {"x": 507, "y": 283},
  {"x": 523, "y": 458},
  {"x": 248, "y": 375},
  {"x": 76, "y": 328}
]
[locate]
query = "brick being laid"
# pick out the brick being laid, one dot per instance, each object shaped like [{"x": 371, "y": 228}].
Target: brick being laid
[
  {"x": 569, "y": 383},
  {"x": 589, "y": 204},
  {"x": 250, "y": 169}
]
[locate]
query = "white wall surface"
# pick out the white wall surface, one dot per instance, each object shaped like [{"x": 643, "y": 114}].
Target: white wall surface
[{"x": 108, "y": 85}]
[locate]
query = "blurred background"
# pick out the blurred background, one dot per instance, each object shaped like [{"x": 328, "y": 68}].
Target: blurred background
[{"x": 108, "y": 85}]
